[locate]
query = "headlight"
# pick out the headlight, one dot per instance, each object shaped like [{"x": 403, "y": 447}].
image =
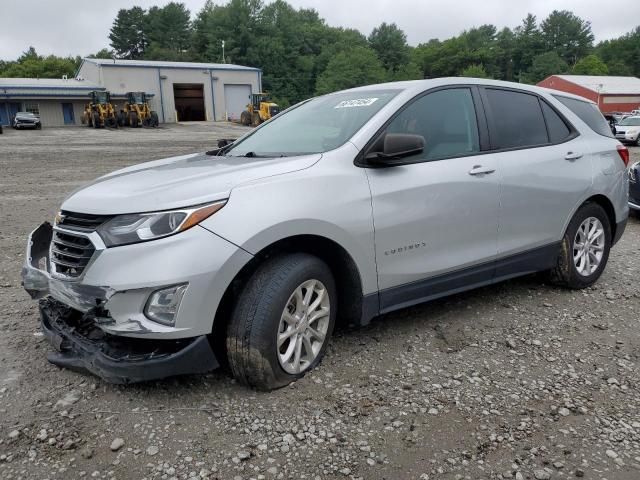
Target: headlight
[
  {"x": 141, "y": 227},
  {"x": 632, "y": 172}
]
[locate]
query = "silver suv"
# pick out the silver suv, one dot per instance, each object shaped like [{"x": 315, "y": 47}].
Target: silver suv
[{"x": 342, "y": 208}]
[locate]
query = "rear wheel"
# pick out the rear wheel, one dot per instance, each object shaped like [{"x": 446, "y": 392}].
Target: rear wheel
[
  {"x": 585, "y": 248},
  {"x": 282, "y": 321}
]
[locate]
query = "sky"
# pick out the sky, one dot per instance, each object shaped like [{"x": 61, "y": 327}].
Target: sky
[{"x": 81, "y": 27}]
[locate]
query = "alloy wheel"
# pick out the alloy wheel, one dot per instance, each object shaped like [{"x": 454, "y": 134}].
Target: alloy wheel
[
  {"x": 588, "y": 246},
  {"x": 303, "y": 326}
]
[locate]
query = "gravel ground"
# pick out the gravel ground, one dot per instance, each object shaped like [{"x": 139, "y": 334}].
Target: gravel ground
[{"x": 519, "y": 380}]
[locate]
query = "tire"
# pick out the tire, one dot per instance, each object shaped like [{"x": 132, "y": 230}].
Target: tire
[
  {"x": 245, "y": 118},
  {"x": 146, "y": 122},
  {"x": 256, "y": 120},
  {"x": 38, "y": 126},
  {"x": 154, "y": 119},
  {"x": 258, "y": 317},
  {"x": 133, "y": 120},
  {"x": 96, "y": 120},
  {"x": 567, "y": 270}
]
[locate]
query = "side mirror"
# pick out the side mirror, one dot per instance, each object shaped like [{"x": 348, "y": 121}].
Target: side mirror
[{"x": 395, "y": 146}]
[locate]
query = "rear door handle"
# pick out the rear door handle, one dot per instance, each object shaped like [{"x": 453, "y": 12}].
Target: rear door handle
[
  {"x": 572, "y": 156},
  {"x": 480, "y": 170}
]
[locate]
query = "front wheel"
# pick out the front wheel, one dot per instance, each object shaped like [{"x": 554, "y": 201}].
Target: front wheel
[
  {"x": 282, "y": 321},
  {"x": 585, "y": 248}
]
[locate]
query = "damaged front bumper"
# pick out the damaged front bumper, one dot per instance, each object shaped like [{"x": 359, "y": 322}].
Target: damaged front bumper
[
  {"x": 82, "y": 346},
  {"x": 102, "y": 329}
]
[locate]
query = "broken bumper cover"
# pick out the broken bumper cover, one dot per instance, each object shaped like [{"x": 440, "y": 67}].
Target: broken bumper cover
[{"x": 82, "y": 346}]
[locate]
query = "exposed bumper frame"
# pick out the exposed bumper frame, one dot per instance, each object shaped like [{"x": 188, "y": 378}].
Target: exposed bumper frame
[{"x": 116, "y": 360}]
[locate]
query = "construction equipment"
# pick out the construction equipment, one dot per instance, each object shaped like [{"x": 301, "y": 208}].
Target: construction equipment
[
  {"x": 137, "y": 112},
  {"x": 99, "y": 112},
  {"x": 259, "y": 110}
]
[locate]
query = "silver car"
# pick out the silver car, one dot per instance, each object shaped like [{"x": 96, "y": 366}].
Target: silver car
[{"x": 342, "y": 208}]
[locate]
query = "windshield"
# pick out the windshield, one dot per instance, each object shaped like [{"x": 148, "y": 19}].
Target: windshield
[
  {"x": 26, "y": 114},
  {"x": 316, "y": 126},
  {"x": 630, "y": 122}
]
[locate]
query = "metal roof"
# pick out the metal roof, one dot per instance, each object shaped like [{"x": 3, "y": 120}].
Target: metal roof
[
  {"x": 605, "y": 84},
  {"x": 46, "y": 88},
  {"x": 48, "y": 84},
  {"x": 110, "y": 62}
]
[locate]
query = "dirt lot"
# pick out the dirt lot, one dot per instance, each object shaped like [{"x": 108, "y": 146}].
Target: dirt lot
[{"x": 519, "y": 380}]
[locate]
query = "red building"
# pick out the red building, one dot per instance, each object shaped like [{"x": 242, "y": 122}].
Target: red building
[{"x": 612, "y": 94}]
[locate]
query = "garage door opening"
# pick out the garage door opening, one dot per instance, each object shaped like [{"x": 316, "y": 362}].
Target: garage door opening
[{"x": 189, "y": 101}]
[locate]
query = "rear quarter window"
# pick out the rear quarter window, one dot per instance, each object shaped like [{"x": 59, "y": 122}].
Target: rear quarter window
[
  {"x": 559, "y": 131},
  {"x": 588, "y": 113}
]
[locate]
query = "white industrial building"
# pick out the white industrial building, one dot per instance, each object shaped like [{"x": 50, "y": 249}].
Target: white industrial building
[
  {"x": 182, "y": 91},
  {"x": 178, "y": 91}
]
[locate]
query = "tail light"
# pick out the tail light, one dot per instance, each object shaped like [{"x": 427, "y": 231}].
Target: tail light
[{"x": 624, "y": 154}]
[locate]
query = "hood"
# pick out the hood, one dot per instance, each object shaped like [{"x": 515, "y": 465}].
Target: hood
[{"x": 176, "y": 182}]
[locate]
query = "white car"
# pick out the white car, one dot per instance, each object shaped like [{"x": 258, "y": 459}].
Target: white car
[{"x": 628, "y": 130}]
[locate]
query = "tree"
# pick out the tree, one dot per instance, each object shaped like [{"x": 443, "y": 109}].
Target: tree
[
  {"x": 127, "y": 35},
  {"x": 474, "y": 71},
  {"x": 169, "y": 28},
  {"x": 528, "y": 44},
  {"x": 567, "y": 35},
  {"x": 390, "y": 44},
  {"x": 622, "y": 55},
  {"x": 590, "y": 65},
  {"x": 545, "y": 65},
  {"x": 351, "y": 68},
  {"x": 104, "y": 53},
  {"x": 32, "y": 65}
]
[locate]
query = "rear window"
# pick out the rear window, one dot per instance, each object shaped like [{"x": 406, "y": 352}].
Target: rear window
[
  {"x": 558, "y": 129},
  {"x": 517, "y": 119},
  {"x": 588, "y": 113}
]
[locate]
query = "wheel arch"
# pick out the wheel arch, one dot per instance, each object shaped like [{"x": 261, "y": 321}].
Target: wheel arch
[
  {"x": 607, "y": 206},
  {"x": 351, "y": 303}
]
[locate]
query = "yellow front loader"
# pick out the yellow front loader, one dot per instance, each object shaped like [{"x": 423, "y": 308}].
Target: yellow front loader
[
  {"x": 259, "y": 110},
  {"x": 99, "y": 112},
  {"x": 136, "y": 112}
]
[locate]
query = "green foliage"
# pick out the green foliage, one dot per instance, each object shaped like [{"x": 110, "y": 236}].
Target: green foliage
[
  {"x": 590, "y": 65},
  {"x": 301, "y": 55},
  {"x": 168, "y": 28},
  {"x": 544, "y": 65},
  {"x": 622, "y": 55},
  {"x": 127, "y": 35},
  {"x": 474, "y": 71},
  {"x": 32, "y": 65},
  {"x": 104, "y": 53},
  {"x": 390, "y": 44},
  {"x": 351, "y": 68},
  {"x": 568, "y": 35}
]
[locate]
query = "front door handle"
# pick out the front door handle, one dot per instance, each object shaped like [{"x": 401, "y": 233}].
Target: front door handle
[
  {"x": 480, "y": 170},
  {"x": 572, "y": 156}
]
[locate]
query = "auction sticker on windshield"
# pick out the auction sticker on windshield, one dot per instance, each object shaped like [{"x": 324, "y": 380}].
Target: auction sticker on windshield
[{"x": 358, "y": 102}]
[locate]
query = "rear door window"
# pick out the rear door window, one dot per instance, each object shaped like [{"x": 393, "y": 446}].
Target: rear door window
[
  {"x": 517, "y": 119},
  {"x": 588, "y": 113},
  {"x": 558, "y": 129}
]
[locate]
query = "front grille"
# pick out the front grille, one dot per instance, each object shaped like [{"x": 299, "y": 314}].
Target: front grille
[
  {"x": 83, "y": 222},
  {"x": 70, "y": 253}
]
